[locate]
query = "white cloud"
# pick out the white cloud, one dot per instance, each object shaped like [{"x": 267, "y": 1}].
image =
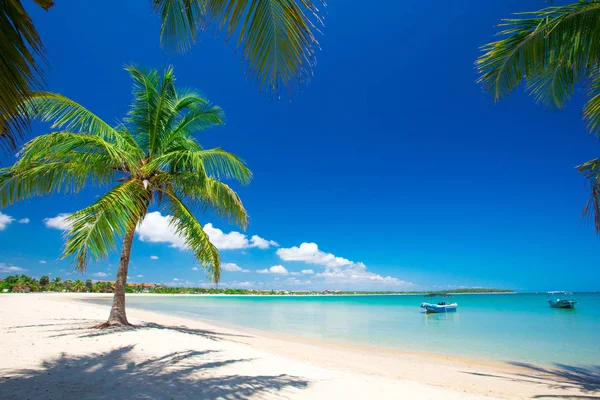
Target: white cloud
[
  {"x": 24, "y": 221},
  {"x": 58, "y": 222},
  {"x": 307, "y": 271},
  {"x": 276, "y": 269},
  {"x": 232, "y": 267},
  {"x": 100, "y": 274},
  {"x": 175, "y": 279},
  {"x": 310, "y": 254},
  {"x": 153, "y": 257},
  {"x": 337, "y": 269},
  {"x": 231, "y": 284},
  {"x": 5, "y": 220},
  {"x": 257, "y": 241},
  {"x": 156, "y": 228},
  {"x": 5, "y": 268},
  {"x": 42, "y": 261},
  {"x": 226, "y": 241},
  {"x": 195, "y": 268},
  {"x": 236, "y": 240},
  {"x": 357, "y": 273},
  {"x": 139, "y": 276}
]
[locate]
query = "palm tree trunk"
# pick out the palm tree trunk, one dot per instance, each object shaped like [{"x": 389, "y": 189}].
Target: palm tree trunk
[{"x": 117, "y": 313}]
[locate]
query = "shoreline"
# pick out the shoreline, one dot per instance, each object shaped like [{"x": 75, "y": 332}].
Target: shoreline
[{"x": 417, "y": 375}]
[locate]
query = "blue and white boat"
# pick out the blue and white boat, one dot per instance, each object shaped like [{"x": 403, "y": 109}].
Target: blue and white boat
[
  {"x": 560, "y": 299},
  {"x": 441, "y": 307}
]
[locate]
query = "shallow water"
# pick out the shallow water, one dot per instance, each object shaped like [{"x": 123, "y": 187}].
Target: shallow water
[{"x": 519, "y": 328}]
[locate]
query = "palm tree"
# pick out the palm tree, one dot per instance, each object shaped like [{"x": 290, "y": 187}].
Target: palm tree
[
  {"x": 551, "y": 50},
  {"x": 56, "y": 284},
  {"x": 276, "y": 38},
  {"x": 78, "y": 285},
  {"x": 151, "y": 158},
  {"x": 68, "y": 285},
  {"x": 88, "y": 285},
  {"x": 44, "y": 281}
]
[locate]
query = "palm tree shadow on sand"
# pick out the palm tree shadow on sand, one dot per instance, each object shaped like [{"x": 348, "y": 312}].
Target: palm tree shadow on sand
[
  {"x": 84, "y": 328},
  {"x": 561, "y": 377},
  {"x": 115, "y": 375}
]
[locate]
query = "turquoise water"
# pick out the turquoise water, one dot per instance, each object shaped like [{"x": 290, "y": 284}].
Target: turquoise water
[{"x": 519, "y": 327}]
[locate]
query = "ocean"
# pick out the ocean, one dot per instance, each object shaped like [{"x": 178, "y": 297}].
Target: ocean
[{"x": 506, "y": 327}]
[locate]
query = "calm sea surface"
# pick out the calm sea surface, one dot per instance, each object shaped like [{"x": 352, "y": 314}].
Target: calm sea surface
[{"x": 519, "y": 327}]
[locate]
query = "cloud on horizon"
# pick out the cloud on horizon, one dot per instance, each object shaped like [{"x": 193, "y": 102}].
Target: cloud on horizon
[
  {"x": 276, "y": 269},
  {"x": 10, "y": 269},
  {"x": 338, "y": 270}
]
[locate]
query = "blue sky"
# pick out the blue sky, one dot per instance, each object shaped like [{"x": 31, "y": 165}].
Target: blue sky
[{"x": 392, "y": 166}]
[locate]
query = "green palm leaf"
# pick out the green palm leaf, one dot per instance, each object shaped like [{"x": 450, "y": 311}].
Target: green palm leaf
[
  {"x": 276, "y": 37},
  {"x": 215, "y": 162},
  {"x": 95, "y": 229},
  {"x": 187, "y": 226},
  {"x": 211, "y": 195},
  {"x": 552, "y": 49},
  {"x": 20, "y": 47}
]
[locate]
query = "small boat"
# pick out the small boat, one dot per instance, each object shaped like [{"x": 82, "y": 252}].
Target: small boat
[
  {"x": 561, "y": 300},
  {"x": 441, "y": 307}
]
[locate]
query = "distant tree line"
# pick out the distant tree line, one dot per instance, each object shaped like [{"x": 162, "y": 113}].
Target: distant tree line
[{"x": 24, "y": 283}]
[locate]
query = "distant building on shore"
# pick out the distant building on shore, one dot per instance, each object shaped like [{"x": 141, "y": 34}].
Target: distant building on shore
[{"x": 332, "y": 291}]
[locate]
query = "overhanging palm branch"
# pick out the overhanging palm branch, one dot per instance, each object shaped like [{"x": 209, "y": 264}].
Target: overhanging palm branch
[
  {"x": 591, "y": 170},
  {"x": 150, "y": 159},
  {"x": 276, "y": 37},
  {"x": 20, "y": 45},
  {"x": 552, "y": 50}
]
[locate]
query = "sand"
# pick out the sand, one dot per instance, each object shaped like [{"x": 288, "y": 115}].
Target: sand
[{"x": 49, "y": 351}]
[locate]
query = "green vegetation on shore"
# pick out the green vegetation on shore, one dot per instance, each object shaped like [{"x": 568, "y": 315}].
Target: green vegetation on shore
[{"x": 24, "y": 283}]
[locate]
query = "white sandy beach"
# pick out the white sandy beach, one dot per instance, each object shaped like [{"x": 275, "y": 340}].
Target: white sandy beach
[{"x": 50, "y": 351}]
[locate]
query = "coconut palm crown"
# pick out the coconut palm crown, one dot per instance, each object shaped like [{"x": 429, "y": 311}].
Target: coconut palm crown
[
  {"x": 151, "y": 159},
  {"x": 551, "y": 50}
]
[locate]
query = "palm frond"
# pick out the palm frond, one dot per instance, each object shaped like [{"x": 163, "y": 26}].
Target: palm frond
[
  {"x": 20, "y": 74},
  {"x": 64, "y": 176},
  {"x": 187, "y": 226},
  {"x": 55, "y": 146},
  {"x": 216, "y": 163},
  {"x": 210, "y": 195},
  {"x": 195, "y": 120},
  {"x": 67, "y": 115},
  {"x": 95, "y": 229},
  {"x": 591, "y": 110},
  {"x": 591, "y": 171},
  {"x": 554, "y": 85},
  {"x": 154, "y": 106},
  {"x": 276, "y": 37},
  {"x": 552, "y": 49}
]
